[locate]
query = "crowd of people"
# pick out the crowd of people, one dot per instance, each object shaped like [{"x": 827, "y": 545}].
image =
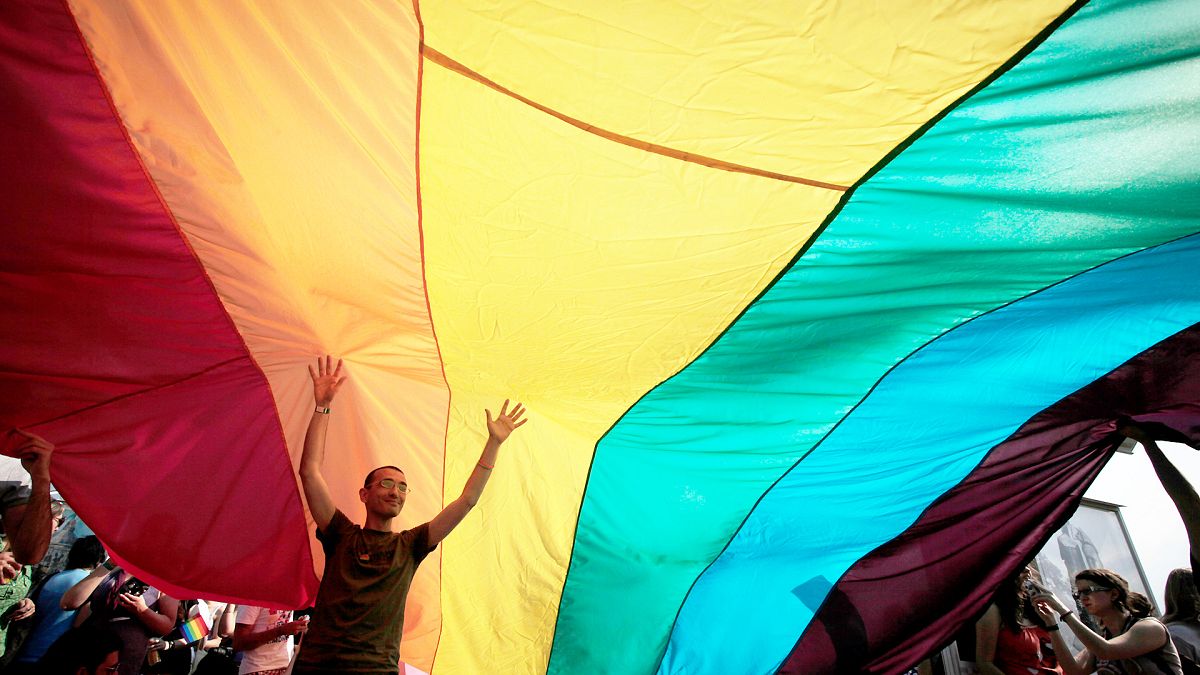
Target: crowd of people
[{"x": 94, "y": 618}]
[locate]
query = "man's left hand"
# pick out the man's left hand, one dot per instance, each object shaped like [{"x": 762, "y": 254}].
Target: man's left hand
[{"x": 506, "y": 422}]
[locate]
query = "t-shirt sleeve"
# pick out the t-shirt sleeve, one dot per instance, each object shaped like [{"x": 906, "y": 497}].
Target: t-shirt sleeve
[
  {"x": 13, "y": 495},
  {"x": 417, "y": 540},
  {"x": 247, "y": 614},
  {"x": 14, "y": 483},
  {"x": 339, "y": 526}
]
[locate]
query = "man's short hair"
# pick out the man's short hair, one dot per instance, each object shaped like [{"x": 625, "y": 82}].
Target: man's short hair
[
  {"x": 86, "y": 553},
  {"x": 367, "y": 480}
]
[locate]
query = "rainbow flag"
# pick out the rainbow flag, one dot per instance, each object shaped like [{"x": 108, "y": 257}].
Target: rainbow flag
[{"x": 195, "y": 629}]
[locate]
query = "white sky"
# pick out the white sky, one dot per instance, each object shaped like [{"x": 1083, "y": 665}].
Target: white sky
[{"x": 1159, "y": 539}]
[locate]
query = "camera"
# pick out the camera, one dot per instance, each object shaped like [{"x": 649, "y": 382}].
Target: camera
[{"x": 134, "y": 586}]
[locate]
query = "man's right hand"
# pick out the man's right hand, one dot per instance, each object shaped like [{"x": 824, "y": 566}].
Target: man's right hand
[
  {"x": 327, "y": 380},
  {"x": 34, "y": 452},
  {"x": 297, "y": 627}
]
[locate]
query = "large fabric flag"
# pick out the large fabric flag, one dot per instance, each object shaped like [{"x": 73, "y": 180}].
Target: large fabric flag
[{"x": 824, "y": 312}]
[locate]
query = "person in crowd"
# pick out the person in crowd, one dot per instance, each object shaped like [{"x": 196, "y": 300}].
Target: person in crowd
[
  {"x": 1131, "y": 641},
  {"x": 359, "y": 613},
  {"x": 174, "y": 652},
  {"x": 217, "y": 654},
  {"x": 51, "y": 620},
  {"x": 1010, "y": 638},
  {"x": 266, "y": 638},
  {"x": 16, "y": 604},
  {"x": 134, "y": 610},
  {"x": 25, "y": 507},
  {"x": 1182, "y": 617},
  {"x": 87, "y": 650}
]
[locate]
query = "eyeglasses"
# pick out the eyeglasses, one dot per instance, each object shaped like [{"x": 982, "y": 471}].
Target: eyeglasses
[
  {"x": 111, "y": 669},
  {"x": 1088, "y": 591},
  {"x": 388, "y": 484}
]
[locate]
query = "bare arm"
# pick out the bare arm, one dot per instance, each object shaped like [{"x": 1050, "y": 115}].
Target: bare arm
[
  {"x": 499, "y": 430},
  {"x": 82, "y": 615},
  {"x": 987, "y": 629},
  {"x": 1079, "y": 664},
  {"x": 326, "y": 382},
  {"x": 316, "y": 491},
  {"x": 1180, "y": 490},
  {"x": 1143, "y": 638},
  {"x": 228, "y": 622},
  {"x": 29, "y": 524},
  {"x": 246, "y": 638},
  {"x": 80, "y": 592},
  {"x": 158, "y": 621},
  {"x": 213, "y": 639}
]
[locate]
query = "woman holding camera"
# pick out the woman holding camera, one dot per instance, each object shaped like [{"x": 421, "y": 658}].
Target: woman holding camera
[
  {"x": 1132, "y": 641},
  {"x": 134, "y": 610},
  {"x": 1010, "y": 638}
]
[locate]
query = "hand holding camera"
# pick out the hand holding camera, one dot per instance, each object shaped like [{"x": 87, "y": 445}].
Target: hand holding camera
[{"x": 134, "y": 603}]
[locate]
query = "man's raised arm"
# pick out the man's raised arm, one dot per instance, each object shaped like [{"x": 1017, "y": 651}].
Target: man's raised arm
[
  {"x": 499, "y": 430},
  {"x": 326, "y": 382},
  {"x": 1178, "y": 487},
  {"x": 28, "y": 524}
]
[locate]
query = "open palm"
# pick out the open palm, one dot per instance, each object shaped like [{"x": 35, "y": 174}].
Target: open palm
[
  {"x": 327, "y": 380},
  {"x": 501, "y": 428}
]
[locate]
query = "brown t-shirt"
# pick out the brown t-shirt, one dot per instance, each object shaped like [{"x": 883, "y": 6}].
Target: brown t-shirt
[{"x": 359, "y": 617}]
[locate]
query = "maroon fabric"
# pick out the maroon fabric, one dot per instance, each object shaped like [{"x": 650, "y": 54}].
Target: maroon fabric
[
  {"x": 117, "y": 348},
  {"x": 909, "y": 597}
]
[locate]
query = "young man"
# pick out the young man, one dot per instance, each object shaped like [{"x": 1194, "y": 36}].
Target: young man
[{"x": 359, "y": 616}]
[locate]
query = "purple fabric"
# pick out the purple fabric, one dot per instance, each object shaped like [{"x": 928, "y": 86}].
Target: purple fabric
[{"x": 910, "y": 596}]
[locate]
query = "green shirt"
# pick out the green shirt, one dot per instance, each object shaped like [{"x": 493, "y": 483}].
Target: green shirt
[
  {"x": 359, "y": 617},
  {"x": 10, "y": 594}
]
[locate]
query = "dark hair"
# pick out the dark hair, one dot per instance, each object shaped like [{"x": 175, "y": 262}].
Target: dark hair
[
  {"x": 367, "y": 480},
  {"x": 1014, "y": 602},
  {"x": 1137, "y": 604},
  {"x": 86, "y": 553},
  {"x": 83, "y": 647},
  {"x": 1181, "y": 598}
]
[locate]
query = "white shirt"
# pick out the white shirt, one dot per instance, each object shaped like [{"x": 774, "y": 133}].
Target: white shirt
[{"x": 276, "y": 653}]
